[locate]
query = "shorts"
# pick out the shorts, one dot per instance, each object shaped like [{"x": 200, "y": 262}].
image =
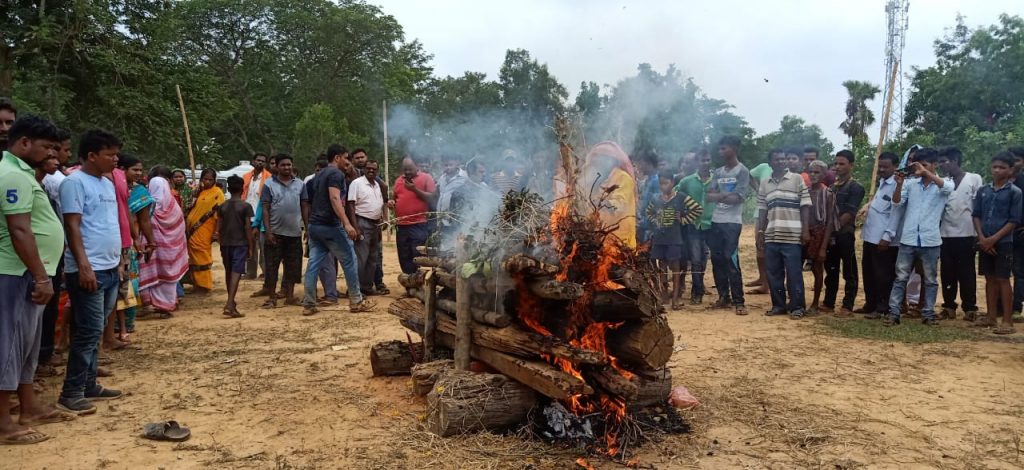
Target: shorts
[
  {"x": 234, "y": 258},
  {"x": 999, "y": 265},
  {"x": 21, "y": 323},
  {"x": 667, "y": 252}
]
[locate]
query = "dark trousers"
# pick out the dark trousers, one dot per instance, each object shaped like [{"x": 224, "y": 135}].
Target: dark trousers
[
  {"x": 366, "y": 251},
  {"x": 879, "y": 268},
  {"x": 46, "y": 345},
  {"x": 1018, "y": 272},
  {"x": 287, "y": 250},
  {"x": 697, "y": 257},
  {"x": 783, "y": 263},
  {"x": 89, "y": 310},
  {"x": 258, "y": 260},
  {"x": 724, "y": 242},
  {"x": 842, "y": 252},
  {"x": 409, "y": 237},
  {"x": 378, "y": 274},
  {"x": 957, "y": 270}
]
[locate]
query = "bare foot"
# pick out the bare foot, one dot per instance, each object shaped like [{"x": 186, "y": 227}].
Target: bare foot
[
  {"x": 758, "y": 291},
  {"x": 44, "y": 415},
  {"x": 753, "y": 283}
]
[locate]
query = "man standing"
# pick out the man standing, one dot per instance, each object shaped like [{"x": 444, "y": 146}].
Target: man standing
[
  {"x": 414, "y": 191},
  {"x": 881, "y": 229},
  {"x": 696, "y": 234},
  {"x": 648, "y": 187},
  {"x": 252, "y": 186},
  {"x": 925, "y": 197},
  {"x": 282, "y": 218},
  {"x": 849, "y": 195},
  {"x": 91, "y": 261},
  {"x": 958, "y": 252},
  {"x": 330, "y": 231},
  {"x": 450, "y": 181},
  {"x": 810, "y": 155},
  {"x": 368, "y": 207},
  {"x": 729, "y": 186},
  {"x": 1018, "y": 234},
  {"x": 8, "y": 113},
  {"x": 784, "y": 205},
  {"x": 31, "y": 243}
]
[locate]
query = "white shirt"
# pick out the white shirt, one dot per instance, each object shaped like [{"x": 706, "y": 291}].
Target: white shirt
[
  {"x": 956, "y": 218},
  {"x": 253, "y": 198},
  {"x": 369, "y": 202},
  {"x": 51, "y": 183},
  {"x": 306, "y": 179}
]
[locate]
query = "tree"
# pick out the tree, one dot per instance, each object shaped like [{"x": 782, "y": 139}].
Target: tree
[
  {"x": 858, "y": 115},
  {"x": 793, "y": 132}
]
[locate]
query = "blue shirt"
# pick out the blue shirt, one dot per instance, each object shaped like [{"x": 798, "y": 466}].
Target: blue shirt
[
  {"x": 997, "y": 207},
  {"x": 883, "y": 217},
  {"x": 923, "y": 208},
  {"x": 94, "y": 198}
]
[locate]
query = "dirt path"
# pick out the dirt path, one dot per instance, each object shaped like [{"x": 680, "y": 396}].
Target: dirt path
[{"x": 278, "y": 390}]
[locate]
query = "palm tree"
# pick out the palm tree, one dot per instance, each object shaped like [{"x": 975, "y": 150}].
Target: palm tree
[{"x": 858, "y": 115}]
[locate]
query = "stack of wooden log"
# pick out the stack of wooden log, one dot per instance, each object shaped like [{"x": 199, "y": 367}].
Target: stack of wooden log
[{"x": 478, "y": 319}]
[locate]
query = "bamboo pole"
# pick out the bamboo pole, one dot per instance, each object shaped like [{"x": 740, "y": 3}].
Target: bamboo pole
[
  {"x": 463, "y": 315},
  {"x": 387, "y": 163},
  {"x": 430, "y": 319},
  {"x": 885, "y": 128},
  {"x": 188, "y": 136}
]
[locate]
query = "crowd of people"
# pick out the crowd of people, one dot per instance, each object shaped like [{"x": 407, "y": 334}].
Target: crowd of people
[{"x": 123, "y": 243}]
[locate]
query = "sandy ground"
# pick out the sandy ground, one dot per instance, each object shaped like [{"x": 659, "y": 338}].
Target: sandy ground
[{"x": 278, "y": 390}]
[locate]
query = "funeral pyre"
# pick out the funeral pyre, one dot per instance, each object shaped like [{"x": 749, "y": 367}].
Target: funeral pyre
[{"x": 552, "y": 319}]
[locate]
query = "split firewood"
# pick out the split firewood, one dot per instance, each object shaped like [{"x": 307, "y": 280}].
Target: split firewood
[
  {"x": 393, "y": 357},
  {"x": 480, "y": 315},
  {"x": 463, "y": 402},
  {"x": 433, "y": 251},
  {"x": 523, "y": 264},
  {"x": 425, "y": 375},
  {"x": 557, "y": 290},
  {"x": 614, "y": 382},
  {"x": 653, "y": 388},
  {"x": 646, "y": 344},
  {"x": 509, "y": 340},
  {"x": 624, "y": 304},
  {"x": 434, "y": 262}
]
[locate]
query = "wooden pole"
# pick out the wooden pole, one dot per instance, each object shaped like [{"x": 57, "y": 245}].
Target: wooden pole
[
  {"x": 387, "y": 164},
  {"x": 463, "y": 315},
  {"x": 430, "y": 319},
  {"x": 885, "y": 127},
  {"x": 188, "y": 136}
]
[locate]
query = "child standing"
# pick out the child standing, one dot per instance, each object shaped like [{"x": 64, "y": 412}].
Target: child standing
[
  {"x": 667, "y": 213},
  {"x": 236, "y": 240},
  {"x": 823, "y": 223},
  {"x": 997, "y": 209}
]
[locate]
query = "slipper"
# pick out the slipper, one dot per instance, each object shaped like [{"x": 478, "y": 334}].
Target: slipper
[
  {"x": 382, "y": 290},
  {"x": 741, "y": 310},
  {"x": 55, "y": 416},
  {"x": 364, "y": 306},
  {"x": 28, "y": 436},
  {"x": 1004, "y": 330},
  {"x": 719, "y": 304},
  {"x": 326, "y": 303},
  {"x": 166, "y": 431},
  {"x": 758, "y": 291},
  {"x": 269, "y": 304},
  {"x": 293, "y": 301}
]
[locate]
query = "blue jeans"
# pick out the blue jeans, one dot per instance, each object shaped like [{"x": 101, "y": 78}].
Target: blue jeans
[
  {"x": 929, "y": 258},
  {"x": 328, "y": 276},
  {"x": 89, "y": 312},
  {"x": 697, "y": 257},
  {"x": 324, "y": 239},
  {"x": 724, "y": 242},
  {"x": 783, "y": 263}
]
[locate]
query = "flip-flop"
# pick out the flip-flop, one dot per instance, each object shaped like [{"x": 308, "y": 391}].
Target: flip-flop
[
  {"x": 28, "y": 436},
  {"x": 1004, "y": 330},
  {"x": 55, "y": 416},
  {"x": 166, "y": 431}
]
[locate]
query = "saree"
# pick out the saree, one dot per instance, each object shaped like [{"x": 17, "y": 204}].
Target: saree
[
  {"x": 159, "y": 276},
  {"x": 202, "y": 223},
  {"x": 617, "y": 196},
  {"x": 138, "y": 199}
]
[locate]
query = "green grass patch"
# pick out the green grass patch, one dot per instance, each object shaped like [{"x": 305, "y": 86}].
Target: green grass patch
[{"x": 910, "y": 331}]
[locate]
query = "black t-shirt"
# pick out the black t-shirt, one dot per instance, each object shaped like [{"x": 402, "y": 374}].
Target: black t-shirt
[
  {"x": 320, "y": 210},
  {"x": 235, "y": 216},
  {"x": 849, "y": 196}
]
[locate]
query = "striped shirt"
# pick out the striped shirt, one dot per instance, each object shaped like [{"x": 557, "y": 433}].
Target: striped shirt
[{"x": 782, "y": 198}]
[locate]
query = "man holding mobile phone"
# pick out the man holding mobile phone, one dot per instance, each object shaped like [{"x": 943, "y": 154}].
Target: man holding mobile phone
[{"x": 414, "y": 193}]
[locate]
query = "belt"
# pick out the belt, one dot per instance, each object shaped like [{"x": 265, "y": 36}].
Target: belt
[{"x": 369, "y": 219}]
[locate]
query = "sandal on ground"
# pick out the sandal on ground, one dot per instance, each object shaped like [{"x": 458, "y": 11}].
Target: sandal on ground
[
  {"x": 365, "y": 305},
  {"x": 326, "y": 303},
  {"x": 741, "y": 310},
  {"x": 890, "y": 320},
  {"x": 28, "y": 436},
  {"x": 971, "y": 316},
  {"x": 293, "y": 301},
  {"x": 307, "y": 311},
  {"x": 383, "y": 290},
  {"x": 54, "y": 416},
  {"x": 984, "y": 322},
  {"x": 757, "y": 291},
  {"x": 1004, "y": 330},
  {"x": 166, "y": 431},
  {"x": 261, "y": 293},
  {"x": 270, "y": 303}
]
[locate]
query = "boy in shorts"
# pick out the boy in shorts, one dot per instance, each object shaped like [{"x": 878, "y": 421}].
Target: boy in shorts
[
  {"x": 667, "y": 213},
  {"x": 236, "y": 240},
  {"x": 997, "y": 211}
]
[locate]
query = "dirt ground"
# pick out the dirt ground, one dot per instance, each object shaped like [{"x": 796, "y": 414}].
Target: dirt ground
[{"x": 278, "y": 390}]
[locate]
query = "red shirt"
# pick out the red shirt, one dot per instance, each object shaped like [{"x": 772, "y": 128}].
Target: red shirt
[
  {"x": 409, "y": 208},
  {"x": 121, "y": 190}
]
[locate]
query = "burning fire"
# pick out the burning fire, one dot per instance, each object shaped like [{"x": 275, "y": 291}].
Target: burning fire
[{"x": 581, "y": 329}]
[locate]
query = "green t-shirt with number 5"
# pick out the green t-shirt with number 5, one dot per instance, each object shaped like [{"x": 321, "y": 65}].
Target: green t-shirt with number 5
[{"x": 20, "y": 193}]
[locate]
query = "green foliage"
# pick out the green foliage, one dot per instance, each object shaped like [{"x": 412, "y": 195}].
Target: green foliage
[
  {"x": 973, "y": 97},
  {"x": 858, "y": 115}
]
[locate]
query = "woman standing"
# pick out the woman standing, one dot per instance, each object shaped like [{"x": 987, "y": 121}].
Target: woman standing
[
  {"x": 823, "y": 223},
  {"x": 139, "y": 204},
  {"x": 202, "y": 224},
  {"x": 160, "y": 272}
]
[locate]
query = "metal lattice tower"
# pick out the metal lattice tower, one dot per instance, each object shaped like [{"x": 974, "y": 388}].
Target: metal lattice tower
[{"x": 896, "y": 38}]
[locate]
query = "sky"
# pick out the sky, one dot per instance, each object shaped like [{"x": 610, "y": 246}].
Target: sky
[{"x": 805, "y": 49}]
